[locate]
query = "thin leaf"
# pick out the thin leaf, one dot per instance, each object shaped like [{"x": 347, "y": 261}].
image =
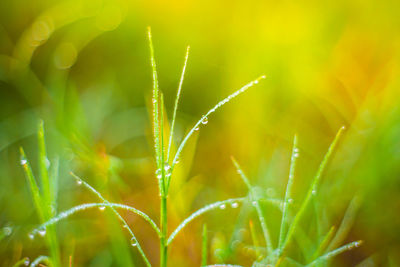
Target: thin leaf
[
  {"x": 257, "y": 205},
  {"x": 312, "y": 191},
  {"x": 155, "y": 100},
  {"x": 205, "y": 117},
  {"x": 22, "y": 262},
  {"x": 67, "y": 213},
  {"x": 194, "y": 215},
  {"x": 324, "y": 243},
  {"x": 347, "y": 223},
  {"x": 288, "y": 195},
  {"x": 38, "y": 260},
  {"x": 37, "y": 200},
  {"x": 125, "y": 224},
  {"x": 43, "y": 164},
  {"x": 336, "y": 252},
  {"x": 178, "y": 94}
]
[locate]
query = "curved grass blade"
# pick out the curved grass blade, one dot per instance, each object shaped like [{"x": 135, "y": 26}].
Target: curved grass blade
[
  {"x": 346, "y": 224},
  {"x": 324, "y": 243},
  {"x": 125, "y": 224},
  {"x": 22, "y": 262},
  {"x": 41, "y": 259},
  {"x": 205, "y": 117},
  {"x": 178, "y": 94},
  {"x": 86, "y": 206},
  {"x": 194, "y": 215},
  {"x": 257, "y": 205},
  {"x": 336, "y": 252},
  {"x": 288, "y": 195},
  {"x": 311, "y": 192}
]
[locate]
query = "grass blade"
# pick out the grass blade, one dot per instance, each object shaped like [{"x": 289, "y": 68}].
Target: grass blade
[
  {"x": 194, "y": 215},
  {"x": 125, "y": 224},
  {"x": 22, "y": 262},
  {"x": 32, "y": 184},
  {"x": 256, "y": 243},
  {"x": 312, "y": 191},
  {"x": 336, "y": 252},
  {"x": 155, "y": 100},
  {"x": 178, "y": 93},
  {"x": 288, "y": 195},
  {"x": 346, "y": 224},
  {"x": 71, "y": 211},
  {"x": 43, "y": 164},
  {"x": 205, "y": 117},
  {"x": 44, "y": 259},
  {"x": 204, "y": 250},
  {"x": 257, "y": 205},
  {"x": 324, "y": 243}
]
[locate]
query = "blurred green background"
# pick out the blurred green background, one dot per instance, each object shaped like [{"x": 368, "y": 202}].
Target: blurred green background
[{"x": 84, "y": 68}]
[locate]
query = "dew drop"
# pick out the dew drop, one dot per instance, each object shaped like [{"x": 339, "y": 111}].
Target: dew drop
[
  {"x": 290, "y": 200},
  {"x": 47, "y": 163},
  {"x": 133, "y": 242},
  {"x": 296, "y": 150},
  {"x": 296, "y": 155},
  {"x": 254, "y": 203},
  {"x": 26, "y": 261},
  {"x": 256, "y": 82},
  {"x": 7, "y": 230},
  {"x": 102, "y": 208},
  {"x": 222, "y": 206},
  {"x": 197, "y": 128},
  {"x": 23, "y": 161},
  {"x": 31, "y": 236},
  {"x": 314, "y": 192},
  {"x": 42, "y": 231},
  {"x": 78, "y": 181},
  {"x": 357, "y": 244},
  {"x": 204, "y": 120},
  {"x": 159, "y": 174},
  {"x": 235, "y": 205},
  {"x": 154, "y": 100}
]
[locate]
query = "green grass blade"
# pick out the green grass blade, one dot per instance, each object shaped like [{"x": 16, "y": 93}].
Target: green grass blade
[
  {"x": 43, "y": 164},
  {"x": 178, "y": 94},
  {"x": 22, "y": 262},
  {"x": 346, "y": 224},
  {"x": 324, "y": 243},
  {"x": 155, "y": 100},
  {"x": 288, "y": 195},
  {"x": 312, "y": 191},
  {"x": 257, "y": 206},
  {"x": 41, "y": 259},
  {"x": 204, "y": 118},
  {"x": 37, "y": 200},
  {"x": 125, "y": 224},
  {"x": 204, "y": 250},
  {"x": 54, "y": 184},
  {"x": 336, "y": 252},
  {"x": 254, "y": 237},
  {"x": 194, "y": 215},
  {"x": 82, "y": 207}
]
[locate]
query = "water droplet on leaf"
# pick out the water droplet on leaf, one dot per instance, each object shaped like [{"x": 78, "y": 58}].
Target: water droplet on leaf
[
  {"x": 42, "y": 231},
  {"x": 222, "y": 206},
  {"x": 204, "y": 120},
  {"x": 235, "y": 205}
]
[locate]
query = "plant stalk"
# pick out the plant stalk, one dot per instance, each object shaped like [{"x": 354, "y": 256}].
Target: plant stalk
[{"x": 163, "y": 239}]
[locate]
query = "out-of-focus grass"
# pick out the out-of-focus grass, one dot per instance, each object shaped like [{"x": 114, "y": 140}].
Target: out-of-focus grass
[{"x": 83, "y": 67}]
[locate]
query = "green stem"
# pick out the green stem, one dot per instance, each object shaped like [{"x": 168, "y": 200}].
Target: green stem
[{"x": 163, "y": 239}]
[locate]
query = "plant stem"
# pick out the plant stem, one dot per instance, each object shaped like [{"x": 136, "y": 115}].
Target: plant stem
[{"x": 163, "y": 239}]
